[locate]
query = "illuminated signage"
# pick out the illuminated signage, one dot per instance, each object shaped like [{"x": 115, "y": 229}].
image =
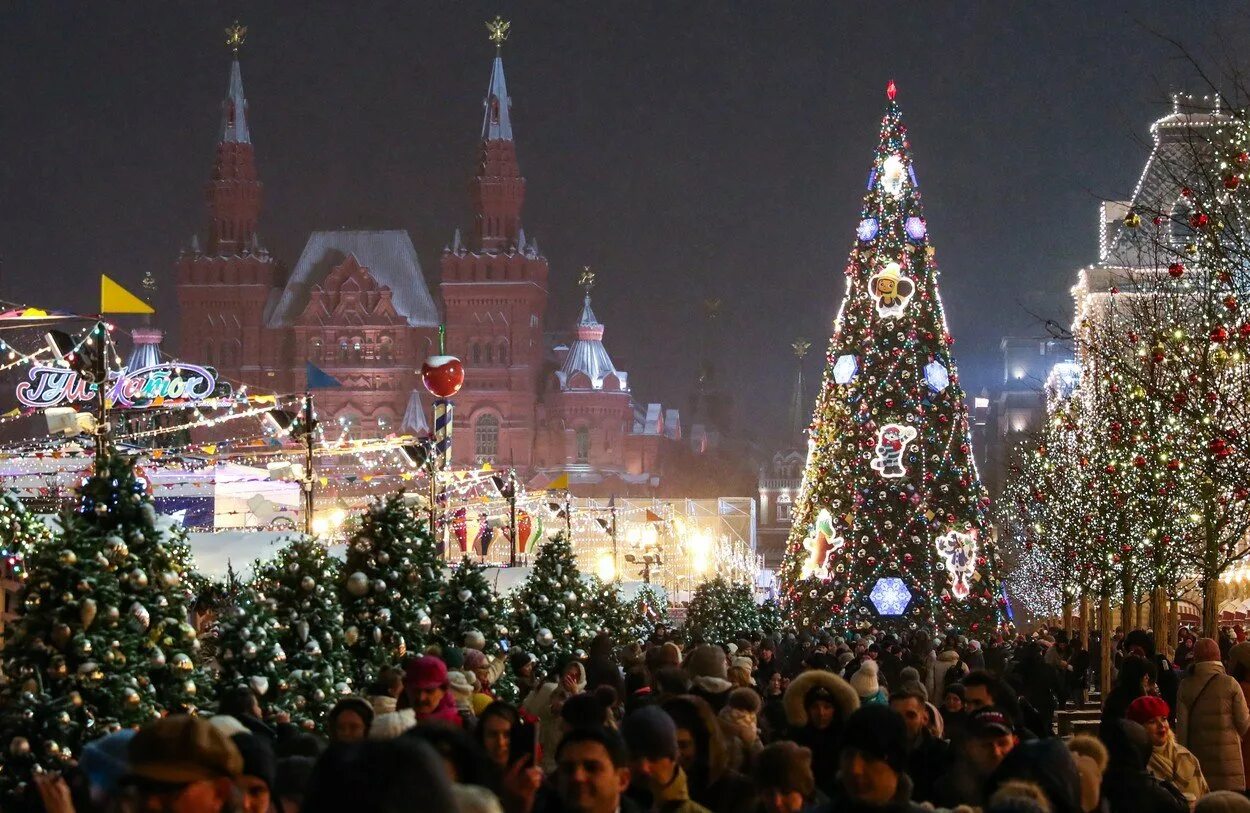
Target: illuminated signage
[{"x": 147, "y": 386}]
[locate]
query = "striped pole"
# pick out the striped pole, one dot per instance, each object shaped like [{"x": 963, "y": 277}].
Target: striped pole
[{"x": 442, "y": 432}]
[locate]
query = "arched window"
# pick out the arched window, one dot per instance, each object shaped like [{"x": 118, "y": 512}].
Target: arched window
[
  {"x": 486, "y": 439},
  {"x": 583, "y": 444},
  {"x": 314, "y": 349},
  {"x": 343, "y": 349},
  {"x": 477, "y": 353},
  {"x": 386, "y": 349},
  {"x": 503, "y": 353},
  {"x": 208, "y": 354},
  {"x": 1181, "y": 231},
  {"x": 490, "y": 354}
]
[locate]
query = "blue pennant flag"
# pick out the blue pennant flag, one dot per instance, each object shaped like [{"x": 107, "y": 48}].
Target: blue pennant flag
[{"x": 319, "y": 379}]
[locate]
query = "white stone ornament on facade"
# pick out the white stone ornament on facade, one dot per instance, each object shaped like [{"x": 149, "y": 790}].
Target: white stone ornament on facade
[
  {"x": 891, "y": 290},
  {"x": 892, "y": 440},
  {"x": 959, "y": 555}
]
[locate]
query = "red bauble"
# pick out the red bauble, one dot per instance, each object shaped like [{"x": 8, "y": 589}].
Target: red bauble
[
  {"x": 1198, "y": 221},
  {"x": 1187, "y": 192},
  {"x": 1139, "y": 461},
  {"x": 1231, "y": 182},
  {"x": 1244, "y": 330},
  {"x": 1230, "y": 302},
  {"x": 1242, "y": 158},
  {"x": 443, "y": 376},
  {"x": 1176, "y": 269},
  {"x": 1219, "y": 335}
]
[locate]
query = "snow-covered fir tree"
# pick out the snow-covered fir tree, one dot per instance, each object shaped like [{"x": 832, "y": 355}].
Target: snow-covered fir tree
[
  {"x": 392, "y": 577},
  {"x": 550, "y": 611}
]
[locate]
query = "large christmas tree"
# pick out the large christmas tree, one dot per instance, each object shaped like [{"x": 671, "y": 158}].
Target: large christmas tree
[
  {"x": 393, "y": 575},
  {"x": 302, "y": 579},
  {"x": 103, "y": 639},
  {"x": 890, "y": 527},
  {"x": 550, "y": 616}
]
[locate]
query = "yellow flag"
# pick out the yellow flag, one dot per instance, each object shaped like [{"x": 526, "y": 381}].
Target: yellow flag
[
  {"x": 116, "y": 299},
  {"x": 561, "y": 483}
]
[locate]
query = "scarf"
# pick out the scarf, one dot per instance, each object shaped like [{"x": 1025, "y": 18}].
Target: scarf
[{"x": 1176, "y": 764}]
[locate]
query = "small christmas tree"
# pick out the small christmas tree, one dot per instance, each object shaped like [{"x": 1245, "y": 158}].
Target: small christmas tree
[
  {"x": 720, "y": 612},
  {"x": 247, "y": 630},
  {"x": 648, "y": 611},
  {"x": 103, "y": 639},
  {"x": 394, "y": 574},
  {"x": 470, "y": 605},
  {"x": 609, "y": 613},
  {"x": 771, "y": 619},
  {"x": 301, "y": 580},
  {"x": 550, "y": 611}
]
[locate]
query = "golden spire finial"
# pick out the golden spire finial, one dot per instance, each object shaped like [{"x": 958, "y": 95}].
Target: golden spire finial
[
  {"x": 497, "y": 30},
  {"x": 587, "y": 279},
  {"x": 801, "y": 346},
  {"x": 711, "y": 308},
  {"x": 235, "y": 35}
]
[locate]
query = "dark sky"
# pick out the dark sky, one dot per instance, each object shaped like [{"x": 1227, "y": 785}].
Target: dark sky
[{"x": 684, "y": 149}]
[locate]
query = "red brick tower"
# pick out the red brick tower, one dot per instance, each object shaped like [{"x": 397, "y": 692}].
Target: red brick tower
[
  {"x": 494, "y": 293},
  {"x": 222, "y": 289}
]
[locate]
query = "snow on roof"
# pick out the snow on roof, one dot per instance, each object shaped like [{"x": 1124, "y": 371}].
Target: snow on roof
[{"x": 388, "y": 255}]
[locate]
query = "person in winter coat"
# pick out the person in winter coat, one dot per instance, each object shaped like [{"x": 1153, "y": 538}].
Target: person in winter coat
[
  {"x": 1127, "y": 785},
  {"x": 1169, "y": 760},
  {"x": 871, "y": 774},
  {"x": 739, "y": 724},
  {"x": 772, "y": 717},
  {"x": 783, "y": 775},
  {"x": 712, "y": 778},
  {"x": 707, "y": 669},
  {"x": 658, "y": 782},
  {"x": 867, "y": 684},
  {"x": 928, "y": 755},
  {"x": 948, "y": 661},
  {"x": 1091, "y": 758},
  {"x": 1239, "y": 668},
  {"x": 430, "y": 700},
  {"x": 1212, "y": 717},
  {"x": 817, "y": 706},
  {"x": 1135, "y": 679}
]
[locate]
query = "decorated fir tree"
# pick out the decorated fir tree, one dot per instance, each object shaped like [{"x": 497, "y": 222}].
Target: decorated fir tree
[
  {"x": 771, "y": 619},
  {"x": 469, "y": 606},
  {"x": 720, "y": 612},
  {"x": 890, "y": 526},
  {"x": 550, "y": 616},
  {"x": 393, "y": 574},
  {"x": 103, "y": 638},
  {"x": 649, "y": 610},
  {"x": 609, "y": 612},
  {"x": 246, "y": 632},
  {"x": 301, "y": 580}
]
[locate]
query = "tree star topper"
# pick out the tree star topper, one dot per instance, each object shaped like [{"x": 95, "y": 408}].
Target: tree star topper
[
  {"x": 235, "y": 35},
  {"x": 497, "y": 30}
]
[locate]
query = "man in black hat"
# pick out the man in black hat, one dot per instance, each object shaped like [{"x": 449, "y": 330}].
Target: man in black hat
[
  {"x": 658, "y": 780},
  {"x": 872, "y": 769},
  {"x": 255, "y": 781}
]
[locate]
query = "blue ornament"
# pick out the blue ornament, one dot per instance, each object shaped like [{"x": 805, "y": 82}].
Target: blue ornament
[
  {"x": 915, "y": 228},
  {"x": 890, "y": 596},
  {"x": 936, "y": 376}
]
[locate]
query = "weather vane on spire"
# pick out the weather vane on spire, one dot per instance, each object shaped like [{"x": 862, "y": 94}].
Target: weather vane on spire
[
  {"x": 235, "y": 35},
  {"x": 587, "y": 279},
  {"x": 497, "y": 30},
  {"x": 800, "y": 347}
]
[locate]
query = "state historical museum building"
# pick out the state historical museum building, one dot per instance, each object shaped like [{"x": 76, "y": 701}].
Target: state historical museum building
[{"x": 357, "y": 305}]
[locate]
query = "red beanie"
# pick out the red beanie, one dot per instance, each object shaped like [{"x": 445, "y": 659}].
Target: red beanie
[{"x": 1146, "y": 708}]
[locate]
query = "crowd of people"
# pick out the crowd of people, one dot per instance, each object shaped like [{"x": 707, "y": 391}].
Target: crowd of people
[{"x": 863, "y": 723}]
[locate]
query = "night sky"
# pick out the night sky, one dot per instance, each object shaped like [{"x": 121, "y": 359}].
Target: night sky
[{"x": 683, "y": 150}]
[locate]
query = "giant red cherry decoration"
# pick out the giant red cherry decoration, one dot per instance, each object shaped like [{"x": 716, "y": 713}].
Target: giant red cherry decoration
[{"x": 442, "y": 375}]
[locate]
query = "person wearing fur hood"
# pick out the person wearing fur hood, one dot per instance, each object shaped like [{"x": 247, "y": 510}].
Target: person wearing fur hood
[{"x": 817, "y": 705}]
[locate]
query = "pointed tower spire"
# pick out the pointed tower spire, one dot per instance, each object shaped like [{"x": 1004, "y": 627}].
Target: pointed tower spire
[
  {"x": 234, "y": 191},
  {"x": 498, "y": 188},
  {"x": 798, "y": 405}
]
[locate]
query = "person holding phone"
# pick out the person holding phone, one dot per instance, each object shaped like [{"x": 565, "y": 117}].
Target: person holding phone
[{"x": 511, "y": 743}]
